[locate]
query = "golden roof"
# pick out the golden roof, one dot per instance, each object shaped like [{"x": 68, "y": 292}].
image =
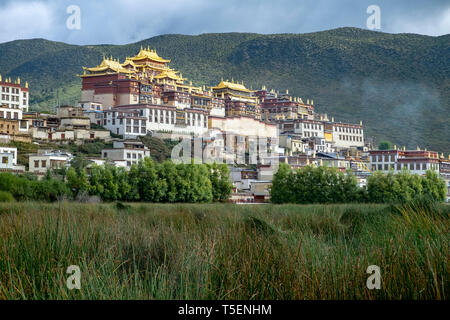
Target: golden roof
[
  {"x": 232, "y": 86},
  {"x": 171, "y": 74},
  {"x": 109, "y": 64},
  {"x": 128, "y": 62},
  {"x": 148, "y": 54}
]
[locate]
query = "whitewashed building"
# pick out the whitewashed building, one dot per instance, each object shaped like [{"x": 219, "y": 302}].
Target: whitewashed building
[
  {"x": 13, "y": 94},
  {"x": 46, "y": 159},
  {"x": 128, "y": 152},
  {"x": 138, "y": 120}
]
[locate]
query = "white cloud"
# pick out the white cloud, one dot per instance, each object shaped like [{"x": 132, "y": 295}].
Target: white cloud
[
  {"x": 23, "y": 20},
  {"x": 432, "y": 25}
]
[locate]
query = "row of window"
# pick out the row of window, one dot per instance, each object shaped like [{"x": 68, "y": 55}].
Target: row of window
[
  {"x": 5, "y": 97},
  {"x": 7, "y": 126},
  {"x": 350, "y": 138},
  {"x": 312, "y": 126},
  {"x": 12, "y": 105},
  {"x": 7, "y": 115},
  {"x": 135, "y": 130},
  {"x": 410, "y": 166},
  {"x": 387, "y": 158},
  {"x": 311, "y": 134},
  {"x": 348, "y": 130}
]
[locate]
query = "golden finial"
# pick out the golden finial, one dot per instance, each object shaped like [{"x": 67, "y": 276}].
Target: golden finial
[
  {"x": 0, "y": 77},
  {"x": 395, "y": 147},
  {"x": 287, "y": 91},
  {"x": 307, "y": 101},
  {"x": 290, "y": 98},
  {"x": 232, "y": 80},
  {"x": 418, "y": 148},
  {"x": 312, "y": 102},
  {"x": 360, "y": 122},
  {"x": 26, "y": 82},
  {"x": 442, "y": 155}
]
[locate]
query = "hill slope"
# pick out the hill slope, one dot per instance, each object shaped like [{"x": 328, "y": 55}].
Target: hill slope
[{"x": 398, "y": 84}]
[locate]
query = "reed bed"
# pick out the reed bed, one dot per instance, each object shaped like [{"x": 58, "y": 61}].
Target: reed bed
[{"x": 223, "y": 251}]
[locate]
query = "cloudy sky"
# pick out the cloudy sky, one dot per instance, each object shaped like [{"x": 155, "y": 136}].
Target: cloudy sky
[{"x": 125, "y": 21}]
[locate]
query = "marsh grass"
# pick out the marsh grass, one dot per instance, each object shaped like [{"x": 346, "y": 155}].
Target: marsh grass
[{"x": 223, "y": 251}]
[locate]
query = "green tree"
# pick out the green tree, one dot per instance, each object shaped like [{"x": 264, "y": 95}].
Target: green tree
[
  {"x": 384, "y": 145},
  {"x": 433, "y": 186},
  {"x": 77, "y": 182},
  {"x": 220, "y": 181},
  {"x": 280, "y": 191}
]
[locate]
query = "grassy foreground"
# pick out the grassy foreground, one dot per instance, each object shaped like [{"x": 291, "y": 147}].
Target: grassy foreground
[{"x": 223, "y": 251}]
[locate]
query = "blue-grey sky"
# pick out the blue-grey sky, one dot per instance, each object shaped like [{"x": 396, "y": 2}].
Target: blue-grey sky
[{"x": 125, "y": 21}]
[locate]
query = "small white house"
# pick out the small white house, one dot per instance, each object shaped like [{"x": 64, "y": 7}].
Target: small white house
[
  {"x": 8, "y": 160},
  {"x": 129, "y": 151},
  {"x": 45, "y": 160}
]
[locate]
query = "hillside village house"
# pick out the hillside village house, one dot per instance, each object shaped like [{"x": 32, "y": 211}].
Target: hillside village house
[
  {"x": 46, "y": 159},
  {"x": 12, "y": 124},
  {"x": 69, "y": 124},
  {"x": 8, "y": 160},
  {"x": 128, "y": 152}
]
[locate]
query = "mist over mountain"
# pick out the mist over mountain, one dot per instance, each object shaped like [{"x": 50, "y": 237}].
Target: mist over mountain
[{"x": 397, "y": 84}]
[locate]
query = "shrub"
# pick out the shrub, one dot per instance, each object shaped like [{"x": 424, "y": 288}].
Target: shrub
[{"x": 6, "y": 196}]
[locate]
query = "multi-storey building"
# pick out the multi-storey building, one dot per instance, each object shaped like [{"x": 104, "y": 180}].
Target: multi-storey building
[
  {"x": 138, "y": 120},
  {"x": 239, "y": 100},
  {"x": 275, "y": 107},
  {"x": 12, "y": 125},
  {"x": 130, "y": 152},
  {"x": 416, "y": 161},
  {"x": 347, "y": 135},
  {"x": 13, "y": 94}
]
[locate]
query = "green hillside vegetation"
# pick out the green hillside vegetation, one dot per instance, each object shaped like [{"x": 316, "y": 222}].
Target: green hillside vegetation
[{"x": 398, "y": 84}]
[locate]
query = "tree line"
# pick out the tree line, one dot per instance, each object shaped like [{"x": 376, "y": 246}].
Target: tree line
[
  {"x": 168, "y": 182},
  {"x": 146, "y": 181},
  {"x": 328, "y": 185}
]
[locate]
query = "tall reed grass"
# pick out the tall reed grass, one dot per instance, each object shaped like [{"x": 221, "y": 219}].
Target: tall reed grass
[{"x": 223, "y": 251}]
